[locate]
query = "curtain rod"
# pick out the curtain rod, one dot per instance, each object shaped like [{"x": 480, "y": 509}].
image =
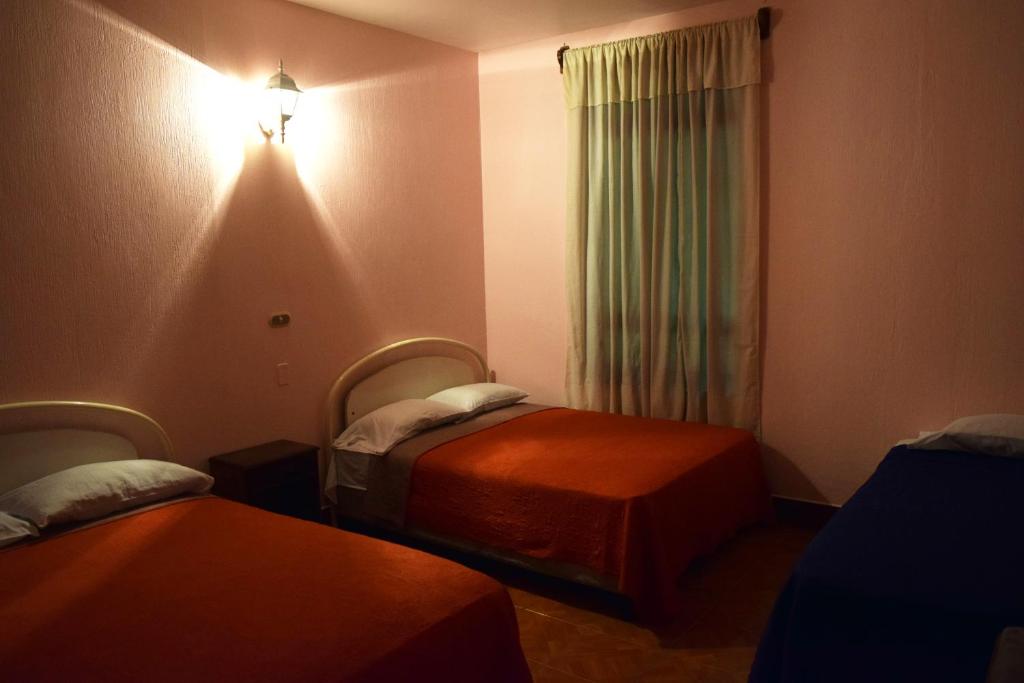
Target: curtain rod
[{"x": 764, "y": 25}]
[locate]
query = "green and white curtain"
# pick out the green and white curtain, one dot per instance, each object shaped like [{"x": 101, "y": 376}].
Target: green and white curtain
[{"x": 663, "y": 224}]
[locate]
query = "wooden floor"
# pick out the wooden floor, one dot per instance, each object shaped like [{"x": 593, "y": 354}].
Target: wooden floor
[{"x": 571, "y": 634}]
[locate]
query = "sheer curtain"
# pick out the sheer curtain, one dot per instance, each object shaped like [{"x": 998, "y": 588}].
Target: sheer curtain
[{"x": 663, "y": 223}]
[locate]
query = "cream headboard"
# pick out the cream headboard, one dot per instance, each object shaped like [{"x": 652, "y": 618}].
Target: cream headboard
[
  {"x": 414, "y": 368},
  {"x": 42, "y": 437}
]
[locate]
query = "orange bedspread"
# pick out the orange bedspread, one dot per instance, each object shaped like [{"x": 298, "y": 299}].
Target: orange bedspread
[
  {"x": 633, "y": 499},
  {"x": 209, "y": 590}
]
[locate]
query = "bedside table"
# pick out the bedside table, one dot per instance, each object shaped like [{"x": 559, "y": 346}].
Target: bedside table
[{"x": 280, "y": 476}]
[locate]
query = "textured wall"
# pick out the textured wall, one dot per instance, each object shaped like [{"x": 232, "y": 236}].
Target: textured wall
[
  {"x": 148, "y": 233},
  {"x": 893, "y": 222}
]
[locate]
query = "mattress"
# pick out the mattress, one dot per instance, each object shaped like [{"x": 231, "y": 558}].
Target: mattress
[
  {"x": 631, "y": 499},
  {"x": 912, "y": 580},
  {"x": 210, "y": 590}
]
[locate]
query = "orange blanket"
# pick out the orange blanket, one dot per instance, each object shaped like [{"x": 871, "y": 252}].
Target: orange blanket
[
  {"x": 209, "y": 590},
  {"x": 633, "y": 499}
]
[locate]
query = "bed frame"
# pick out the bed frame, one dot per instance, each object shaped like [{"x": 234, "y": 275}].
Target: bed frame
[{"x": 38, "y": 438}]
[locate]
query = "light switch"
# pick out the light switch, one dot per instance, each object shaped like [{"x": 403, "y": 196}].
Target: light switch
[{"x": 282, "y": 374}]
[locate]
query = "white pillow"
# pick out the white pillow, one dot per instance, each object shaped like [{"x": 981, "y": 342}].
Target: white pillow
[
  {"x": 98, "y": 489},
  {"x": 377, "y": 432},
  {"x": 989, "y": 434},
  {"x": 13, "y": 529},
  {"x": 474, "y": 399}
]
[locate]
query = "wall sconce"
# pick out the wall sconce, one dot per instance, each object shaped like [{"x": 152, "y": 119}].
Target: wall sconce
[{"x": 279, "y": 100}]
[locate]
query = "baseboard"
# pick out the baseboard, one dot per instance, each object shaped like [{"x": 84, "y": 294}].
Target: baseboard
[{"x": 803, "y": 513}]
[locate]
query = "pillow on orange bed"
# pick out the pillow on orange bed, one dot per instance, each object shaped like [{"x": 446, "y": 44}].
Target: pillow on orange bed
[
  {"x": 91, "y": 491},
  {"x": 482, "y": 397},
  {"x": 378, "y": 431},
  {"x": 13, "y": 529}
]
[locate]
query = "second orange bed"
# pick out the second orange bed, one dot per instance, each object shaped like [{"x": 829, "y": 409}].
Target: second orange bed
[{"x": 633, "y": 500}]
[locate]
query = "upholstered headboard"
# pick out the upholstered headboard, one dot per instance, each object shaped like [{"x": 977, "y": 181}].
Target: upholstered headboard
[
  {"x": 42, "y": 437},
  {"x": 414, "y": 368}
]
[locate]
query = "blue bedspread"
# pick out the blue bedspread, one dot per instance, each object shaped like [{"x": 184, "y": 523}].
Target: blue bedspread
[{"x": 912, "y": 580}]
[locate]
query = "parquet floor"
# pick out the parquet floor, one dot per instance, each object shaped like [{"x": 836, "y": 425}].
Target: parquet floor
[{"x": 570, "y": 634}]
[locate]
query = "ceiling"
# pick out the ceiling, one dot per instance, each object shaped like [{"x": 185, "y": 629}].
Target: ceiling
[{"x": 479, "y": 25}]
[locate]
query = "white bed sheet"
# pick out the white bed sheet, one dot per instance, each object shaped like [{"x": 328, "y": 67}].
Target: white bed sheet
[{"x": 348, "y": 469}]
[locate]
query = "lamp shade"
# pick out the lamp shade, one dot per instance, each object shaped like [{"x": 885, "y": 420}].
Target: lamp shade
[
  {"x": 278, "y": 102},
  {"x": 282, "y": 92}
]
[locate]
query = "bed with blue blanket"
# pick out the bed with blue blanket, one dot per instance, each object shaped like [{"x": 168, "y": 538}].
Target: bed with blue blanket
[{"x": 912, "y": 580}]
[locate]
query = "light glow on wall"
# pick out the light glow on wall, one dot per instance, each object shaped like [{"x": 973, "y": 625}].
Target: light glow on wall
[
  {"x": 320, "y": 141},
  {"x": 183, "y": 131},
  {"x": 317, "y": 134},
  {"x": 215, "y": 106},
  {"x": 221, "y": 115}
]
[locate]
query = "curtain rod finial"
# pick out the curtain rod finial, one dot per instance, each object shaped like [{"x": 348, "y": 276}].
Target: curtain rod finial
[
  {"x": 764, "y": 21},
  {"x": 560, "y": 55}
]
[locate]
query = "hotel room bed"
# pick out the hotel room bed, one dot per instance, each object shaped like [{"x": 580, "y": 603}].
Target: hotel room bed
[
  {"x": 199, "y": 588},
  {"x": 912, "y": 580},
  {"x": 623, "y": 503}
]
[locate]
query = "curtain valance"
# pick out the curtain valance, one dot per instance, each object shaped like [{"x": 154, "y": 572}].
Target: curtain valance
[{"x": 714, "y": 56}]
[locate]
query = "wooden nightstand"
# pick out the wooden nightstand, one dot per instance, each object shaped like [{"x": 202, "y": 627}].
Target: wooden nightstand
[{"x": 280, "y": 476}]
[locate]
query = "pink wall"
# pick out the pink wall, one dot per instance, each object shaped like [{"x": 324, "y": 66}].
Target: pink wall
[
  {"x": 147, "y": 234},
  {"x": 893, "y": 223}
]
